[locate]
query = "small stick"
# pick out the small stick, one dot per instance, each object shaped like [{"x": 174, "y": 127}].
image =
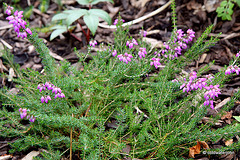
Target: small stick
[{"x": 139, "y": 19}]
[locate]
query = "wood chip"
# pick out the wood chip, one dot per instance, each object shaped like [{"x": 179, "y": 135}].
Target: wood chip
[
  {"x": 5, "y": 157},
  {"x": 203, "y": 57},
  {"x": 54, "y": 55},
  {"x": 153, "y": 42},
  {"x": 6, "y": 44},
  {"x": 221, "y": 104},
  {"x": 30, "y": 155}
]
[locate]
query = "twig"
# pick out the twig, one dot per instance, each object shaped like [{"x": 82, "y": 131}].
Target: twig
[{"x": 139, "y": 19}]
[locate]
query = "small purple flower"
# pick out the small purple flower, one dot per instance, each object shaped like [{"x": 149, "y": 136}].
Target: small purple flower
[
  {"x": 114, "y": 53},
  {"x": 142, "y": 52},
  {"x": 49, "y": 85},
  {"x": 134, "y": 41},
  {"x": 125, "y": 58},
  {"x": 155, "y": 62},
  {"x": 41, "y": 87},
  {"x": 60, "y": 95},
  {"x": 23, "y": 112},
  {"x": 143, "y": 33},
  {"x": 56, "y": 90},
  {"x": 28, "y": 31},
  {"x": 32, "y": 118},
  {"x": 192, "y": 76},
  {"x": 130, "y": 44},
  {"x": 42, "y": 99},
  {"x": 93, "y": 43},
  {"x": 116, "y": 21},
  {"x": 47, "y": 98},
  {"x": 9, "y": 10},
  {"x": 237, "y": 55}
]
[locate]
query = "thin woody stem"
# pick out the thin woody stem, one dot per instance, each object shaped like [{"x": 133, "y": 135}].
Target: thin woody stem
[
  {"x": 82, "y": 28},
  {"x": 75, "y": 37}
]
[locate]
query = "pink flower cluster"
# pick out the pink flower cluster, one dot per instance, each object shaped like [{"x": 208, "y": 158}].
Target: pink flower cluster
[
  {"x": 174, "y": 49},
  {"x": 232, "y": 69},
  {"x": 131, "y": 43},
  {"x": 18, "y": 23},
  {"x": 116, "y": 21},
  {"x": 125, "y": 58},
  {"x": 142, "y": 52},
  {"x": 93, "y": 43},
  {"x": 213, "y": 91},
  {"x": 23, "y": 114},
  {"x": 200, "y": 83},
  {"x": 49, "y": 86},
  {"x": 155, "y": 62}
]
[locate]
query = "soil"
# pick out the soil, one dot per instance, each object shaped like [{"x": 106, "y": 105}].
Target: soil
[{"x": 193, "y": 14}]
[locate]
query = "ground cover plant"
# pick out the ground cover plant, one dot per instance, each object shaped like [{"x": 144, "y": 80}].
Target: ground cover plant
[{"x": 112, "y": 104}]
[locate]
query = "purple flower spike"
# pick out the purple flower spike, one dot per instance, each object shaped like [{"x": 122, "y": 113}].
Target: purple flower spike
[
  {"x": 125, "y": 58},
  {"x": 155, "y": 62},
  {"x": 142, "y": 52},
  {"x": 18, "y": 23}
]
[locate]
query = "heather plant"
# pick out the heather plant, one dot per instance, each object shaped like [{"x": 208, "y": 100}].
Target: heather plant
[{"x": 128, "y": 95}]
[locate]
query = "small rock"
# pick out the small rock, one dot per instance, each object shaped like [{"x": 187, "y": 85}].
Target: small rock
[
  {"x": 27, "y": 65},
  {"x": 37, "y": 59},
  {"x": 237, "y": 110},
  {"x": 30, "y": 155},
  {"x": 37, "y": 67}
]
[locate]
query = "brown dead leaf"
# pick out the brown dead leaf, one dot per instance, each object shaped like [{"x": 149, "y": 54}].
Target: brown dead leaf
[
  {"x": 227, "y": 115},
  {"x": 211, "y": 5},
  {"x": 192, "y": 5},
  {"x": 197, "y": 149},
  {"x": 204, "y": 145},
  {"x": 229, "y": 142},
  {"x": 194, "y": 150},
  {"x": 139, "y": 4}
]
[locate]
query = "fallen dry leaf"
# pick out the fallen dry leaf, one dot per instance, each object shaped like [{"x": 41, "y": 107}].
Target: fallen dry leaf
[
  {"x": 228, "y": 115},
  {"x": 204, "y": 145},
  {"x": 197, "y": 149},
  {"x": 194, "y": 150},
  {"x": 229, "y": 142}
]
